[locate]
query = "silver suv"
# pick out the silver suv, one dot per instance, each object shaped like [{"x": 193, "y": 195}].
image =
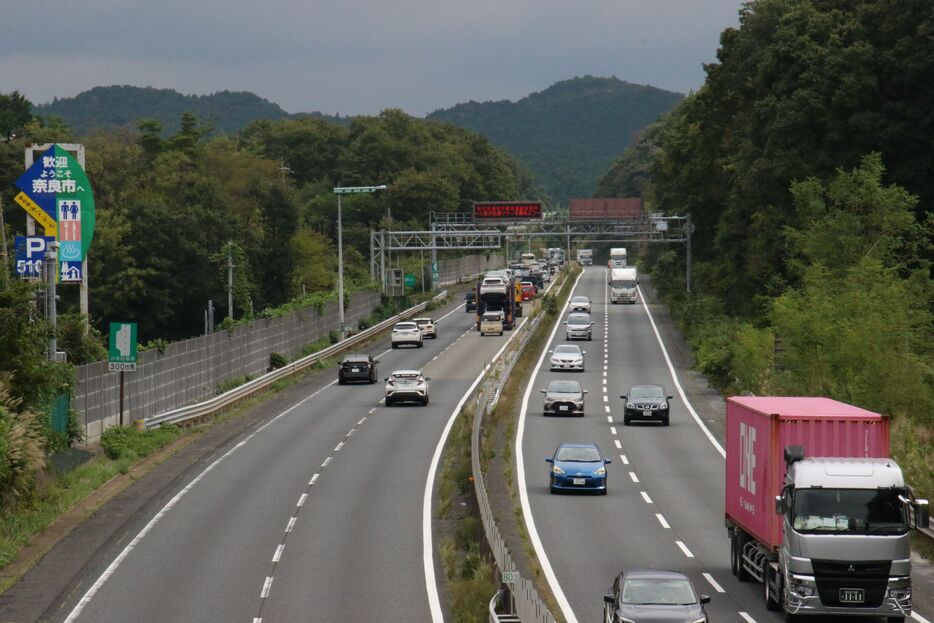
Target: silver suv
[{"x": 564, "y": 398}]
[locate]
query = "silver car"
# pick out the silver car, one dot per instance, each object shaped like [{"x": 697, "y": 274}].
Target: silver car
[
  {"x": 580, "y": 303},
  {"x": 564, "y": 398},
  {"x": 406, "y": 385},
  {"x": 578, "y": 327},
  {"x": 567, "y": 357}
]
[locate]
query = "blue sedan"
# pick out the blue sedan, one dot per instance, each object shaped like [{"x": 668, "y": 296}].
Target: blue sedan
[{"x": 578, "y": 467}]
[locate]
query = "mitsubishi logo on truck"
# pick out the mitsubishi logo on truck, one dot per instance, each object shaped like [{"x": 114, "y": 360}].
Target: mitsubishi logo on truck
[{"x": 747, "y": 448}]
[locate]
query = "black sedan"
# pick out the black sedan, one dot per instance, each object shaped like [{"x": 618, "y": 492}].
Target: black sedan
[
  {"x": 357, "y": 368},
  {"x": 646, "y": 402},
  {"x": 643, "y": 595}
]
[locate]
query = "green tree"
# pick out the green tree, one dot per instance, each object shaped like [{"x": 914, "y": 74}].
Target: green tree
[{"x": 15, "y": 113}]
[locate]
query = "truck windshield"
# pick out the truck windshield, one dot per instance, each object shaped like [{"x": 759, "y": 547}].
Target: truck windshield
[
  {"x": 850, "y": 511},
  {"x": 619, "y": 283}
]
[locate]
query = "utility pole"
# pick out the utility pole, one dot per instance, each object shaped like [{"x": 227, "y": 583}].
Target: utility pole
[
  {"x": 230, "y": 267},
  {"x": 51, "y": 305},
  {"x": 6, "y": 259}
]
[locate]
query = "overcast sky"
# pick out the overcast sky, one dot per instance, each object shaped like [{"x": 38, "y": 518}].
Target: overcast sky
[{"x": 355, "y": 56}]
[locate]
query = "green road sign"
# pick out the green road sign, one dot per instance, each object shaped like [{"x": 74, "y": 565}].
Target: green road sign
[
  {"x": 409, "y": 280},
  {"x": 122, "y": 353}
]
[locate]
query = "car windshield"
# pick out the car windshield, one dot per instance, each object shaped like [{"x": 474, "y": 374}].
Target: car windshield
[
  {"x": 578, "y": 455},
  {"x": 567, "y": 349},
  {"x": 579, "y": 319},
  {"x": 580, "y": 299},
  {"x": 646, "y": 392},
  {"x": 491, "y": 317},
  {"x": 658, "y": 592},
  {"x": 564, "y": 387},
  {"x": 623, "y": 283},
  {"x": 852, "y": 511}
]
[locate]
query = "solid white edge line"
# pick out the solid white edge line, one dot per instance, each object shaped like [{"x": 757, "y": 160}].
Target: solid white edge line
[
  {"x": 431, "y": 586},
  {"x": 684, "y": 548},
  {"x": 919, "y": 618},
  {"x": 523, "y": 491},
  {"x": 674, "y": 378},
  {"x": 747, "y": 618},
  {"x": 713, "y": 583}
]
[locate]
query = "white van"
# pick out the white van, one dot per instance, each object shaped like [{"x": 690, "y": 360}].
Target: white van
[{"x": 623, "y": 282}]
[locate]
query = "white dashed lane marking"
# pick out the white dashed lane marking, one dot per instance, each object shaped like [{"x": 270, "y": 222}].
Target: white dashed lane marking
[
  {"x": 661, "y": 520},
  {"x": 684, "y": 548},
  {"x": 301, "y": 500},
  {"x": 612, "y": 430},
  {"x": 278, "y": 555},
  {"x": 747, "y": 618},
  {"x": 645, "y": 496},
  {"x": 619, "y": 446},
  {"x": 609, "y": 419},
  {"x": 326, "y": 461},
  {"x": 713, "y": 583},
  {"x": 266, "y": 586},
  {"x": 313, "y": 479},
  {"x": 633, "y": 476}
]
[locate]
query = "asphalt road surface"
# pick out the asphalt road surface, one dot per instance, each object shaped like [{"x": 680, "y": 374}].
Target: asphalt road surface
[
  {"x": 664, "y": 507},
  {"x": 316, "y": 515}
]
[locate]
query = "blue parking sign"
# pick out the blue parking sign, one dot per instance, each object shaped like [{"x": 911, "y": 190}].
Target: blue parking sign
[{"x": 30, "y": 254}]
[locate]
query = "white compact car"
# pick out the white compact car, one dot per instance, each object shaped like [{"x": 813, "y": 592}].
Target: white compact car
[
  {"x": 567, "y": 357},
  {"x": 406, "y": 386},
  {"x": 406, "y": 333},
  {"x": 580, "y": 303},
  {"x": 428, "y": 327}
]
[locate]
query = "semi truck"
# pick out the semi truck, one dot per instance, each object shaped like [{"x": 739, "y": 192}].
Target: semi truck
[
  {"x": 505, "y": 298},
  {"x": 816, "y": 510},
  {"x": 623, "y": 285},
  {"x": 585, "y": 257}
]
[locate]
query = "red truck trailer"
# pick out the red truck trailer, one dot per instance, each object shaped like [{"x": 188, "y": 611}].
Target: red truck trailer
[
  {"x": 816, "y": 510},
  {"x": 613, "y": 209}
]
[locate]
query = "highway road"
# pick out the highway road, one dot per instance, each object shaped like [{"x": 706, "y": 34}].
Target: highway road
[
  {"x": 316, "y": 515},
  {"x": 664, "y": 507}
]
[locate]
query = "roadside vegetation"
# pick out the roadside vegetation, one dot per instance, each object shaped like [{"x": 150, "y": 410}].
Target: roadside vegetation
[{"x": 803, "y": 163}]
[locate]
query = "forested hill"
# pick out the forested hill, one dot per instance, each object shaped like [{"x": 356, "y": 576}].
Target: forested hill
[
  {"x": 569, "y": 133},
  {"x": 117, "y": 106}
]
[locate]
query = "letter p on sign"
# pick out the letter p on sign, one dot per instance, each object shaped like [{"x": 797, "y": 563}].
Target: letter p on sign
[{"x": 747, "y": 448}]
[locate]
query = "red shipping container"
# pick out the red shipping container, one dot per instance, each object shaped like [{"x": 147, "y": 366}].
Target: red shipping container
[
  {"x": 611, "y": 209},
  {"x": 758, "y": 429}
]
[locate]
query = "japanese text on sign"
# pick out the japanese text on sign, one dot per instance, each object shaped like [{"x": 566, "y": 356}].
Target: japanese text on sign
[{"x": 508, "y": 210}]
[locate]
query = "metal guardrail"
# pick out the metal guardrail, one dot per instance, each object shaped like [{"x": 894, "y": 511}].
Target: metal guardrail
[{"x": 213, "y": 405}]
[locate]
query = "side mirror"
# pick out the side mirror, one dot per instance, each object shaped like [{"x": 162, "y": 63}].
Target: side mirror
[
  {"x": 585, "y": 391},
  {"x": 668, "y": 397},
  {"x": 584, "y": 352},
  {"x": 607, "y": 461},
  {"x": 542, "y": 391},
  {"x": 624, "y": 397},
  {"x": 551, "y": 351},
  {"x": 427, "y": 378},
  {"x": 591, "y": 323},
  {"x": 779, "y": 505},
  {"x": 565, "y": 322},
  {"x": 609, "y": 599},
  {"x": 549, "y": 460},
  {"x": 386, "y": 379},
  {"x": 705, "y": 599}
]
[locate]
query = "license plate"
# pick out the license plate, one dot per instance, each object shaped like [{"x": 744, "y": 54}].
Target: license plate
[
  {"x": 355, "y": 369},
  {"x": 852, "y": 596},
  {"x": 563, "y": 408},
  {"x": 647, "y": 413},
  {"x": 580, "y": 481}
]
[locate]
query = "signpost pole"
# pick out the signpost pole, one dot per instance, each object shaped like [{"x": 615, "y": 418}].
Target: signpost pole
[
  {"x": 83, "y": 289},
  {"x": 121, "y": 398},
  {"x": 6, "y": 261}
]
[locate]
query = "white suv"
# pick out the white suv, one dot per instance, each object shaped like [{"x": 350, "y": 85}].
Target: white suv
[
  {"x": 406, "y": 333},
  {"x": 406, "y": 386},
  {"x": 428, "y": 327}
]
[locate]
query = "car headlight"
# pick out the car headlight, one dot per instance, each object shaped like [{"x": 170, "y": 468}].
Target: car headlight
[
  {"x": 803, "y": 586},
  {"x": 577, "y": 362},
  {"x": 629, "y": 405},
  {"x": 664, "y": 405},
  {"x": 900, "y": 589},
  {"x": 556, "y": 470},
  {"x": 601, "y": 471}
]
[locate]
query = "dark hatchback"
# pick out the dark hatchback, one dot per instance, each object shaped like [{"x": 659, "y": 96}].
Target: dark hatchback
[
  {"x": 357, "y": 368},
  {"x": 656, "y": 596},
  {"x": 646, "y": 402},
  {"x": 470, "y": 301}
]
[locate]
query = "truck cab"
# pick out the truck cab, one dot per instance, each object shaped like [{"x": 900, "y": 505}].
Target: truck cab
[
  {"x": 624, "y": 284},
  {"x": 846, "y": 546}
]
